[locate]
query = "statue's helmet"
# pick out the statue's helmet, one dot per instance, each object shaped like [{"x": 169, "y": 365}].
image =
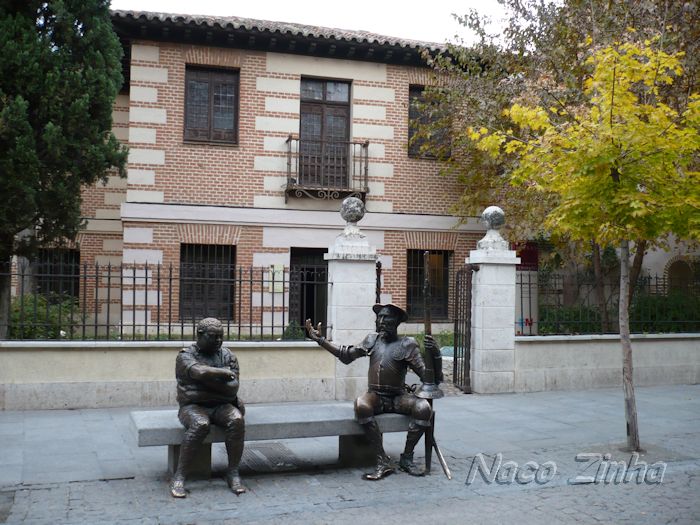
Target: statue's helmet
[{"x": 396, "y": 311}]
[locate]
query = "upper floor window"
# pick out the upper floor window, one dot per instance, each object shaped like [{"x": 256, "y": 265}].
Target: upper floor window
[
  {"x": 324, "y": 132},
  {"x": 211, "y": 105},
  {"x": 422, "y": 112}
]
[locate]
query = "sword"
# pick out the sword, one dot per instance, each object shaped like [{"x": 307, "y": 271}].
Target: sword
[{"x": 429, "y": 390}]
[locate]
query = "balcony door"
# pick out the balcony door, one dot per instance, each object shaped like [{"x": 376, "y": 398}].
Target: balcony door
[{"x": 324, "y": 133}]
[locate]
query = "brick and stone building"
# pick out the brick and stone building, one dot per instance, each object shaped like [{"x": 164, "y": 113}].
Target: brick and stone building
[{"x": 244, "y": 137}]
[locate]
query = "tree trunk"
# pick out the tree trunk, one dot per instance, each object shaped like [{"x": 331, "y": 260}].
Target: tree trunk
[
  {"x": 600, "y": 289},
  {"x": 641, "y": 247},
  {"x": 627, "y": 378},
  {"x": 5, "y": 284}
]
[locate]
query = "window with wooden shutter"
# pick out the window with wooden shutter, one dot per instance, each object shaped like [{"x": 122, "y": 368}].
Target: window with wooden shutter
[{"x": 211, "y": 105}]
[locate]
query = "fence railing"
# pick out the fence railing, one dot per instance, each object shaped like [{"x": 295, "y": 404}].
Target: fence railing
[
  {"x": 160, "y": 302},
  {"x": 548, "y": 304}
]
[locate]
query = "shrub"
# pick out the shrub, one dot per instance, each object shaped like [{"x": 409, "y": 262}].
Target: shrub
[
  {"x": 42, "y": 317},
  {"x": 676, "y": 312}
]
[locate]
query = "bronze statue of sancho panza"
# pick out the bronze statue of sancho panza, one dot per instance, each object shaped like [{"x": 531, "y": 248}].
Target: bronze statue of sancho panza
[
  {"x": 207, "y": 391},
  {"x": 390, "y": 357}
]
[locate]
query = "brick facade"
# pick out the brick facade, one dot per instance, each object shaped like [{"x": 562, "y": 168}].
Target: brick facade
[{"x": 179, "y": 192}]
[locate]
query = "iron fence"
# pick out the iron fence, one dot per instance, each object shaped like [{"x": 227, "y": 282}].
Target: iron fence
[
  {"x": 549, "y": 304},
  {"x": 158, "y": 302}
]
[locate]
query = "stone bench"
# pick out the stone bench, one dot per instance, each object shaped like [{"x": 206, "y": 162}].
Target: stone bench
[{"x": 268, "y": 422}]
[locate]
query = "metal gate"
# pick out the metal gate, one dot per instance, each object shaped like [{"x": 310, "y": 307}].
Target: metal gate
[{"x": 463, "y": 328}]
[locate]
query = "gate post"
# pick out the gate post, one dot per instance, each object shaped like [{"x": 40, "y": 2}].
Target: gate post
[
  {"x": 493, "y": 309},
  {"x": 351, "y": 294}
]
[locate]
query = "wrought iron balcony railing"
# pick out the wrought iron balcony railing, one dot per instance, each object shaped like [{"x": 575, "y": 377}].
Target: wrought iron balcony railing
[{"x": 325, "y": 169}]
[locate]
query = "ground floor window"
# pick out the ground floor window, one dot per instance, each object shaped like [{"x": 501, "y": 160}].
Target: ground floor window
[
  {"x": 439, "y": 261},
  {"x": 207, "y": 281}
]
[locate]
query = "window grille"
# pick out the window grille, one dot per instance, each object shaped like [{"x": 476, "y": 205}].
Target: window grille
[
  {"x": 207, "y": 281},
  {"x": 439, "y": 283}
]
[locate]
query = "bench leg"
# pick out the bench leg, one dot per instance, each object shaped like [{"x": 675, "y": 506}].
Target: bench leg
[
  {"x": 355, "y": 451},
  {"x": 201, "y": 463}
]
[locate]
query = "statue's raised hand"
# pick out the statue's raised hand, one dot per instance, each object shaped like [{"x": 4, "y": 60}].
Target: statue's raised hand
[{"x": 314, "y": 333}]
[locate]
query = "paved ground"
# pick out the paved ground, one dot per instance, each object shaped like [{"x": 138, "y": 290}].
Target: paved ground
[{"x": 82, "y": 466}]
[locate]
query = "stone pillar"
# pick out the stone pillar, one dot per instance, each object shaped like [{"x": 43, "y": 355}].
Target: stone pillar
[
  {"x": 351, "y": 295},
  {"x": 493, "y": 309}
]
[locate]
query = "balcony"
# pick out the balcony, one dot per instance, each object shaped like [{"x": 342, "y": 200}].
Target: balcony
[{"x": 326, "y": 169}]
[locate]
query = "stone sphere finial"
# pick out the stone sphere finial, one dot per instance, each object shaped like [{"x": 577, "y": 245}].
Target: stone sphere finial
[
  {"x": 493, "y": 217},
  {"x": 352, "y": 210}
]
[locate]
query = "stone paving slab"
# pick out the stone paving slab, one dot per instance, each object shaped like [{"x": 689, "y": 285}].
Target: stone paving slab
[{"x": 94, "y": 485}]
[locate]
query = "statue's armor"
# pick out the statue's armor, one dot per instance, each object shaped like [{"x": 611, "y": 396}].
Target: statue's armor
[{"x": 388, "y": 362}]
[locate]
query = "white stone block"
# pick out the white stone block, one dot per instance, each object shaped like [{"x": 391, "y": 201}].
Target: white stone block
[
  {"x": 493, "y": 360},
  {"x": 492, "y": 382},
  {"x": 101, "y": 213},
  {"x": 138, "y": 235},
  {"x": 138, "y": 276},
  {"x": 114, "y": 199},
  {"x": 121, "y": 134},
  {"x": 106, "y": 260},
  {"x": 357, "y": 368},
  {"x": 278, "y": 144},
  {"x": 278, "y": 164},
  {"x": 493, "y": 338},
  {"x": 138, "y": 256},
  {"x": 282, "y": 105},
  {"x": 374, "y": 206},
  {"x": 529, "y": 381},
  {"x": 380, "y": 169},
  {"x": 270, "y": 259},
  {"x": 284, "y": 125},
  {"x": 148, "y": 115},
  {"x": 144, "y": 196},
  {"x": 278, "y": 85},
  {"x": 120, "y": 116},
  {"x": 349, "y": 389},
  {"x": 157, "y": 75},
  {"x": 99, "y": 225},
  {"x": 376, "y": 151},
  {"x": 113, "y": 245},
  {"x": 116, "y": 182},
  {"x": 274, "y": 183},
  {"x": 145, "y": 53},
  {"x": 137, "y": 317},
  {"x": 362, "y": 111},
  {"x": 379, "y": 94},
  {"x": 142, "y": 135},
  {"x": 143, "y": 177},
  {"x": 268, "y": 201},
  {"x": 143, "y": 94},
  {"x": 489, "y": 275},
  {"x": 376, "y": 188},
  {"x": 325, "y": 67},
  {"x": 496, "y": 295},
  {"x": 146, "y": 156},
  {"x": 372, "y": 131},
  {"x": 142, "y": 297}
]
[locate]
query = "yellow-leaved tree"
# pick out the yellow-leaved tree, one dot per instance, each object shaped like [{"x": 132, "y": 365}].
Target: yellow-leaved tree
[{"x": 620, "y": 165}]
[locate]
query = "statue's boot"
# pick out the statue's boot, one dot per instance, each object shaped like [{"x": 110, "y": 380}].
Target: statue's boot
[
  {"x": 177, "y": 487},
  {"x": 234, "y": 450},
  {"x": 406, "y": 460},
  {"x": 383, "y": 465}
]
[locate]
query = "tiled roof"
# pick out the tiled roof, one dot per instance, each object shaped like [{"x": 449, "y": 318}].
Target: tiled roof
[{"x": 283, "y": 28}]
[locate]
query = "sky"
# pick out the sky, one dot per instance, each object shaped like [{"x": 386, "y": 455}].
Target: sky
[{"x": 388, "y": 17}]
